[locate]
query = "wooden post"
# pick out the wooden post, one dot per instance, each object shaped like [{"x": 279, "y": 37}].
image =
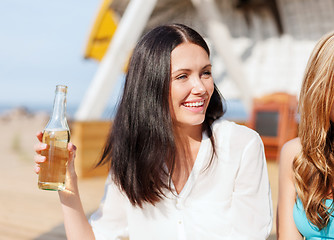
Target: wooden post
[
  {"x": 220, "y": 36},
  {"x": 127, "y": 34}
]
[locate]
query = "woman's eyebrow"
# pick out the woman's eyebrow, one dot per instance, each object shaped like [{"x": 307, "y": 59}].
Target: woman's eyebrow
[
  {"x": 186, "y": 69},
  {"x": 181, "y": 70},
  {"x": 209, "y": 65}
]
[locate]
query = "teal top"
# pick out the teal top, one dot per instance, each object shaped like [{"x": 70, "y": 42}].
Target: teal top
[{"x": 306, "y": 228}]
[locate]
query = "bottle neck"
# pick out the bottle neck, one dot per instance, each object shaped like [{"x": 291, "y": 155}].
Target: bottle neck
[{"x": 58, "y": 117}]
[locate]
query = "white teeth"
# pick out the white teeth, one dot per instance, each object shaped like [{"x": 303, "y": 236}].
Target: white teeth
[{"x": 194, "y": 104}]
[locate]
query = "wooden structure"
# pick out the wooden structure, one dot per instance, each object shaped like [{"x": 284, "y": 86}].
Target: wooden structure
[
  {"x": 274, "y": 118},
  {"x": 127, "y": 33},
  {"x": 111, "y": 42},
  {"x": 90, "y": 137},
  {"x": 123, "y": 39}
]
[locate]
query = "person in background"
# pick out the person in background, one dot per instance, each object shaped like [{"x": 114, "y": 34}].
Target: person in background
[
  {"x": 177, "y": 169},
  {"x": 306, "y": 169}
]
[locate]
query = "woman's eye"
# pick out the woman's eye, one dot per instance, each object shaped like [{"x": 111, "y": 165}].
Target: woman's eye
[
  {"x": 180, "y": 77},
  {"x": 207, "y": 73}
]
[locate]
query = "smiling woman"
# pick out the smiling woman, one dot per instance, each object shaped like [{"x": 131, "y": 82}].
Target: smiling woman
[
  {"x": 191, "y": 88},
  {"x": 177, "y": 170},
  {"x": 191, "y": 84}
]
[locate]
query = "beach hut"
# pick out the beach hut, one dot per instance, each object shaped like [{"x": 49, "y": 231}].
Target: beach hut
[
  {"x": 259, "y": 48},
  {"x": 89, "y": 132}
]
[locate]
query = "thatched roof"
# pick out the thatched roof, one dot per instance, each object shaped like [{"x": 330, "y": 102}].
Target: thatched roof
[{"x": 233, "y": 11}]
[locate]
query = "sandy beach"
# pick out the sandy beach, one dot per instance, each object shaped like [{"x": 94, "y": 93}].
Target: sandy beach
[{"x": 29, "y": 213}]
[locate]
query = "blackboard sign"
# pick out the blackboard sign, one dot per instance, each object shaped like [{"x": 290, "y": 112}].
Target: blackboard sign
[
  {"x": 267, "y": 123},
  {"x": 273, "y": 117}
]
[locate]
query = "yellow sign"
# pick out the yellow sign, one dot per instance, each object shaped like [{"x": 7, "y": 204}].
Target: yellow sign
[{"x": 102, "y": 31}]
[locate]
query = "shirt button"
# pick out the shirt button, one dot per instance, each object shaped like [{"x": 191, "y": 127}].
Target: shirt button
[{"x": 180, "y": 222}]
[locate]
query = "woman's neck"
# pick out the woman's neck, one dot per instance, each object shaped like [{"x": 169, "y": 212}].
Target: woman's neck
[
  {"x": 188, "y": 134},
  {"x": 188, "y": 141}
]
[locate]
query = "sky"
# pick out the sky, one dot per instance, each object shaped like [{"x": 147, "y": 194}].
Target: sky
[{"x": 42, "y": 45}]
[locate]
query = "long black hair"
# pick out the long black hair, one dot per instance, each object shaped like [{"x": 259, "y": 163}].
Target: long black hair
[{"x": 141, "y": 142}]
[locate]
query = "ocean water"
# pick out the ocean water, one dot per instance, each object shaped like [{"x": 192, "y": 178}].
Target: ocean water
[
  {"x": 235, "y": 110},
  {"x": 32, "y": 109}
]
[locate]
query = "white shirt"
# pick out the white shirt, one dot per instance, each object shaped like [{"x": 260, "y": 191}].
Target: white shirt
[{"x": 229, "y": 200}]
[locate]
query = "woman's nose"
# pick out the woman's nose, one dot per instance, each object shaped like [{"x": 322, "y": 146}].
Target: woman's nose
[{"x": 198, "y": 87}]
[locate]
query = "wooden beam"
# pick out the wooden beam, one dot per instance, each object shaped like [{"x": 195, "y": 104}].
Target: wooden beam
[
  {"x": 220, "y": 36},
  {"x": 127, "y": 34}
]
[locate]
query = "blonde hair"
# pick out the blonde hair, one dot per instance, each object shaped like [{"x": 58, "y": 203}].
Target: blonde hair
[{"x": 314, "y": 166}]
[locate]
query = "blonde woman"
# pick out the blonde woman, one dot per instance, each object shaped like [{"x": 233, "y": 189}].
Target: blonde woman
[{"x": 306, "y": 177}]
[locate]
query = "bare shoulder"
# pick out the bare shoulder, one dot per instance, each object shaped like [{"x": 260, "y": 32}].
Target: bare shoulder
[
  {"x": 289, "y": 150},
  {"x": 292, "y": 147}
]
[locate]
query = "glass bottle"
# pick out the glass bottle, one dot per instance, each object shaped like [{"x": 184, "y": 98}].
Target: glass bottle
[{"x": 56, "y": 135}]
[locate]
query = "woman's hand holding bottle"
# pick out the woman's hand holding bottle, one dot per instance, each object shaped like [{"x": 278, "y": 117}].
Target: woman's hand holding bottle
[{"x": 71, "y": 176}]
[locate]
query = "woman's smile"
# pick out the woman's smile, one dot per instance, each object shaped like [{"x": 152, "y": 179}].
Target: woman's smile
[{"x": 194, "y": 106}]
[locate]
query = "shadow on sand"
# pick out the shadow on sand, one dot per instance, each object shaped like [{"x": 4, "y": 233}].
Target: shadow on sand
[{"x": 58, "y": 233}]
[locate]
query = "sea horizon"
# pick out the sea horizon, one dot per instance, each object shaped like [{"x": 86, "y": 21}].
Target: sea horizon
[
  {"x": 235, "y": 110},
  {"x": 47, "y": 109}
]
